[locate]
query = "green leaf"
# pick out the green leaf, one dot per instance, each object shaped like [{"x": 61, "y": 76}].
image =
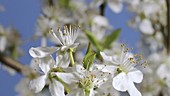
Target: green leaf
[
  {"x": 142, "y": 15},
  {"x": 64, "y": 3},
  {"x": 111, "y": 38},
  {"x": 89, "y": 58},
  {"x": 93, "y": 40}
]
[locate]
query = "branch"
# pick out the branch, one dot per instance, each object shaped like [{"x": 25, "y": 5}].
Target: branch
[
  {"x": 102, "y": 8},
  {"x": 20, "y": 68},
  {"x": 168, "y": 26}
]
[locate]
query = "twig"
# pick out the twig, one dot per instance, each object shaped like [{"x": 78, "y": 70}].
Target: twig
[
  {"x": 20, "y": 68},
  {"x": 102, "y": 8},
  {"x": 168, "y": 26}
]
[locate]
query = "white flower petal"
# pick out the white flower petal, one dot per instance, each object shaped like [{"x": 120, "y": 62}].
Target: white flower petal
[
  {"x": 92, "y": 92},
  {"x": 56, "y": 88},
  {"x": 105, "y": 57},
  {"x": 38, "y": 84},
  {"x": 135, "y": 76},
  {"x": 80, "y": 69},
  {"x": 75, "y": 45},
  {"x": 3, "y": 43},
  {"x": 41, "y": 52},
  {"x": 120, "y": 82},
  {"x": 63, "y": 60},
  {"x": 115, "y": 6},
  {"x": 66, "y": 77},
  {"x": 11, "y": 71},
  {"x": 101, "y": 21},
  {"x": 64, "y": 48},
  {"x": 107, "y": 68},
  {"x": 133, "y": 90},
  {"x": 44, "y": 67},
  {"x": 96, "y": 3},
  {"x": 76, "y": 92},
  {"x": 46, "y": 63},
  {"x": 146, "y": 27}
]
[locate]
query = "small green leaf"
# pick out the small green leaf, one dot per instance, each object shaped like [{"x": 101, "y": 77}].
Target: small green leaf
[
  {"x": 89, "y": 58},
  {"x": 142, "y": 15},
  {"x": 64, "y": 3},
  {"x": 93, "y": 40},
  {"x": 111, "y": 38}
]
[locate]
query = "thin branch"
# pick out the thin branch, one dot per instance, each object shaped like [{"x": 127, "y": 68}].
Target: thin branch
[
  {"x": 102, "y": 8},
  {"x": 49, "y": 2},
  {"x": 20, "y": 68},
  {"x": 168, "y": 26}
]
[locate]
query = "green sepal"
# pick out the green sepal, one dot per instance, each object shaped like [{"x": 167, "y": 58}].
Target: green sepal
[
  {"x": 87, "y": 92},
  {"x": 14, "y": 53},
  {"x": 58, "y": 69},
  {"x": 110, "y": 38}
]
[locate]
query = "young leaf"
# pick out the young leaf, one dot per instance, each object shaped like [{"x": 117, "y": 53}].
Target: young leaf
[
  {"x": 93, "y": 40},
  {"x": 64, "y": 3},
  {"x": 111, "y": 38},
  {"x": 89, "y": 58}
]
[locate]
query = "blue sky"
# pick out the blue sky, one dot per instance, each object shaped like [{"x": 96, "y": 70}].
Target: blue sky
[{"x": 22, "y": 14}]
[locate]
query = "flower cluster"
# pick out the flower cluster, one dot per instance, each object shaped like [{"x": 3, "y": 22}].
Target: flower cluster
[{"x": 65, "y": 77}]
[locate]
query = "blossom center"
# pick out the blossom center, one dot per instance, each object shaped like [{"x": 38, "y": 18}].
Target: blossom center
[
  {"x": 121, "y": 69},
  {"x": 86, "y": 83}
]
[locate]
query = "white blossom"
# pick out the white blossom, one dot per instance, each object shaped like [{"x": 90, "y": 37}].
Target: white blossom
[
  {"x": 127, "y": 73},
  {"x": 67, "y": 37},
  {"x": 66, "y": 40},
  {"x": 87, "y": 81},
  {"x": 146, "y": 27},
  {"x": 115, "y": 5},
  {"x": 3, "y": 39},
  {"x": 47, "y": 65}
]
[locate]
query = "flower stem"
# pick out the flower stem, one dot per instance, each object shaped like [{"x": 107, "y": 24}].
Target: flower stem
[
  {"x": 71, "y": 57},
  {"x": 64, "y": 84},
  {"x": 87, "y": 93}
]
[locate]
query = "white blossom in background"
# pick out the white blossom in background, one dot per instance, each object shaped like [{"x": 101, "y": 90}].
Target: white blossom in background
[
  {"x": 99, "y": 26},
  {"x": 163, "y": 71},
  {"x": 9, "y": 43},
  {"x": 151, "y": 14},
  {"x": 150, "y": 45},
  {"x": 146, "y": 27},
  {"x": 23, "y": 89},
  {"x": 159, "y": 83},
  {"x": 115, "y": 5},
  {"x": 42, "y": 29},
  {"x": 150, "y": 86},
  {"x": 127, "y": 73},
  {"x": 3, "y": 39}
]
